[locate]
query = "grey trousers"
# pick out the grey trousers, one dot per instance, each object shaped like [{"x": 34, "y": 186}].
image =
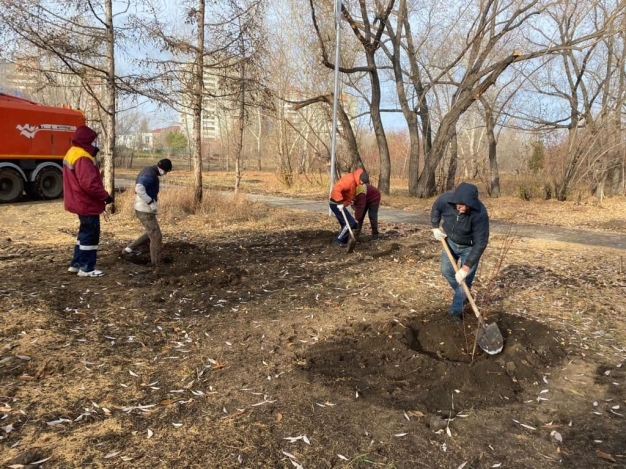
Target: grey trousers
[{"x": 152, "y": 235}]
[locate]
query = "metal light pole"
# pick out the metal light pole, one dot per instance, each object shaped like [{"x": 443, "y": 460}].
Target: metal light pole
[{"x": 333, "y": 145}]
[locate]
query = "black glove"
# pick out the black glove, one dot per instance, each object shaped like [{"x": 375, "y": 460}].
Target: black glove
[{"x": 108, "y": 200}]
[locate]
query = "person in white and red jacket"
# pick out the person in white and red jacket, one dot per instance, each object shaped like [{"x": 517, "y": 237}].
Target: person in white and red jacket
[
  {"x": 146, "y": 208},
  {"x": 84, "y": 195}
]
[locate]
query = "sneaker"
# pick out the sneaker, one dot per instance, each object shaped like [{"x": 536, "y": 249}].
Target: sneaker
[
  {"x": 73, "y": 269},
  {"x": 130, "y": 252},
  {"x": 93, "y": 273},
  {"x": 375, "y": 237},
  {"x": 339, "y": 243}
]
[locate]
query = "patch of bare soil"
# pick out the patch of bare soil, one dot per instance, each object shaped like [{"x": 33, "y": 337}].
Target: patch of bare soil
[{"x": 261, "y": 345}]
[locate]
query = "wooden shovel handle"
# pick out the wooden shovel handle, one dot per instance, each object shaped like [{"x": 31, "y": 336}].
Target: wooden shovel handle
[
  {"x": 465, "y": 287},
  {"x": 347, "y": 224}
]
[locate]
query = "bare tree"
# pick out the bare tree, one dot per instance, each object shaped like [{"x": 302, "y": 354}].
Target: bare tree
[{"x": 368, "y": 32}]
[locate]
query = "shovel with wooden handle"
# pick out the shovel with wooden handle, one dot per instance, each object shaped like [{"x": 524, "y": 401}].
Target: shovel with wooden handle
[
  {"x": 352, "y": 242},
  {"x": 488, "y": 336}
]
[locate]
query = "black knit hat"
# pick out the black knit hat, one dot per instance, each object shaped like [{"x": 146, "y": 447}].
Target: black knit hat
[
  {"x": 165, "y": 164},
  {"x": 365, "y": 178}
]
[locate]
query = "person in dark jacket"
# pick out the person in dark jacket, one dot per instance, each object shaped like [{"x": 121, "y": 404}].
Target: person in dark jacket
[
  {"x": 366, "y": 202},
  {"x": 462, "y": 220},
  {"x": 146, "y": 208},
  {"x": 84, "y": 195}
]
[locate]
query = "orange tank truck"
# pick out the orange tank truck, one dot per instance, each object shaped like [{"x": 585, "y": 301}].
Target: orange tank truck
[{"x": 33, "y": 141}]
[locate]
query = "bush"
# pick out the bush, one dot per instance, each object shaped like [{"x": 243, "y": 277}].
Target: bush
[{"x": 524, "y": 192}]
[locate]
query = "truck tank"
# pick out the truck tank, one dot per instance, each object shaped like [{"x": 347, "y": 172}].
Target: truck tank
[{"x": 34, "y": 140}]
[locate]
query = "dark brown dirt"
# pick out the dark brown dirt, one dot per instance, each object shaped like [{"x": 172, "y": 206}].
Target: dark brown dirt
[{"x": 243, "y": 342}]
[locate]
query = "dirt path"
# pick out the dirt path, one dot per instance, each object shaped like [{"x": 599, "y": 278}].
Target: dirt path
[{"x": 543, "y": 232}]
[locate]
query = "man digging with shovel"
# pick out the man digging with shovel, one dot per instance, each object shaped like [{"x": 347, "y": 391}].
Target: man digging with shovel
[
  {"x": 341, "y": 197},
  {"x": 465, "y": 224}
]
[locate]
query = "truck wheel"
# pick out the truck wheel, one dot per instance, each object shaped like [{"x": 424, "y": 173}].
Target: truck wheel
[
  {"x": 48, "y": 183},
  {"x": 11, "y": 185}
]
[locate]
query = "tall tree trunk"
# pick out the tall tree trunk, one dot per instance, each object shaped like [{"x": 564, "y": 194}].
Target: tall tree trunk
[
  {"x": 239, "y": 143},
  {"x": 111, "y": 93},
  {"x": 384, "y": 183},
  {"x": 259, "y": 137},
  {"x": 422, "y": 108},
  {"x": 198, "y": 92},
  {"x": 494, "y": 176},
  {"x": 407, "y": 112},
  {"x": 454, "y": 159}
]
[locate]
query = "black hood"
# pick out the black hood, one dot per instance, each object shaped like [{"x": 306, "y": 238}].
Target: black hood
[{"x": 466, "y": 194}]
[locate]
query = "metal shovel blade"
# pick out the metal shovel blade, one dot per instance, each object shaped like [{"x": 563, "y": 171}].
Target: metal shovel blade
[
  {"x": 489, "y": 338},
  {"x": 351, "y": 244}
]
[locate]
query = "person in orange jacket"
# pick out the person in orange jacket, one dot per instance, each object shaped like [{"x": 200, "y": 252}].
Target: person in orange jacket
[{"x": 341, "y": 196}]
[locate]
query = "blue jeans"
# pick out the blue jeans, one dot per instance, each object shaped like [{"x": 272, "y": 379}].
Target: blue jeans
[
  {"x": 343, "y": 235},
  {"x": 447, "y": 269},
  {"x": 86, "y": 247}
]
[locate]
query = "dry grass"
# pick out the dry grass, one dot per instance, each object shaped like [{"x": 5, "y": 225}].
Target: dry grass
[{"x": 586, "y": 213}]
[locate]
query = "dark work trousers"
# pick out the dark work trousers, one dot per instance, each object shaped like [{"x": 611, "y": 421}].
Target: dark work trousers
[
  {"x": 86, "y": 247},
  {"x": 372, "y": 212},
  {"x": 344, "y": 234}
]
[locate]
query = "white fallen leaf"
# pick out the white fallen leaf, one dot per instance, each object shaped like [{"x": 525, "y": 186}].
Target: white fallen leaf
[
  {"x": 607, "y": 372},
  {"x": 615, "y": 407},
  {"x": 341, "y": 456},
  {"x": 126, "y": 458},
  {"x": 545, "y": 380},
  {"x": 406, "y": 416},
  {"x": 8, "y": 428},
  {"x": 150, "y": 433},
  {"x": 557, "y": 436},
  {"x": 544, "y": 391},
  {"x": 595, "y": 404},
  {"x": 228, "y": 343},
  {"x": 57, "y": 422},
  {"x": 41, "y": 461},
  {"x": 177, "y": 424},
  {"x": 291, "y": 439},
  {"x": 289, "y": 455},
  {"x": 296, "y": 465},
  {"x": 498, "y": 464},
  {"x": 132, "y": 373},
  {"x": 462, "y": 465},
  {"x": 448, "y": 432},
  {"x": 112, "y": 455},
  {"x": 306, "y": 439},
  {"x": 400, "y": 434}
]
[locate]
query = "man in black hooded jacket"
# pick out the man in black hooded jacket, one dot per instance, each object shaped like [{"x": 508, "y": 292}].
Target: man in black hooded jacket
[{"x": 465, "y": 225}]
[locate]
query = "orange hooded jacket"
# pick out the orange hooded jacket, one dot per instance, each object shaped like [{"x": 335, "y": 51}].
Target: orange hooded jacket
[{"x": 345, "y": 189}]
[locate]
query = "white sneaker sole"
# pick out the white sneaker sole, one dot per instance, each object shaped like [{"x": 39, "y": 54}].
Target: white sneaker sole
[{"x": 93, "y": 273}]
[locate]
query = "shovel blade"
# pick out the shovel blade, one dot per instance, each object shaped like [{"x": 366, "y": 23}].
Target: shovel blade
[
  {"x": 351, "y": 244},
  {"x": 490, "y": 339}
]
